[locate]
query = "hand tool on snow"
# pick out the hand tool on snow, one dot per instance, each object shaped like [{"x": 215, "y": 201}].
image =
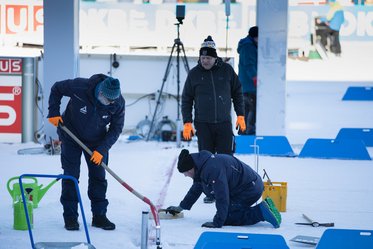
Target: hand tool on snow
[
  {"x": 123, "y": 183},
  {"x": 269, "y": 179},
  {"x": 314, "y": 223},
  {"x": 165, "y": 214}
]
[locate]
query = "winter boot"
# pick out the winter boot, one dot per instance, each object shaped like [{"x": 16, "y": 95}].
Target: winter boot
[
  {"x": 273, "y": 208},
  {"x": 71, "y": 224},
  {"x": 103, "y": 222},
  {"x": 268, "y": 215}
]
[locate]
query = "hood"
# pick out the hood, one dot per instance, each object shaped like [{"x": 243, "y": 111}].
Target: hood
[
  {"x": 200, "y": 159},
  {"x": 245, "y": 42}
]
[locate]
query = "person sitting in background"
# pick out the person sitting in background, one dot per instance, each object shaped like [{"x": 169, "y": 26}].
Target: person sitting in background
[
  {"x": 234, "y": 185},
  {"x": 331, "y": 26}
]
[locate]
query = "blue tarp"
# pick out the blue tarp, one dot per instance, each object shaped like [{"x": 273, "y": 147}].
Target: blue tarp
[
  {"x": 346, "y": 239},
  {"x": 352, "y": 149},
  {"x": 363, "y": 134},
  {"x": 267, "y": 145},
  {"x": 223, "y": 240},
  {"x": 359, "y": 93}
]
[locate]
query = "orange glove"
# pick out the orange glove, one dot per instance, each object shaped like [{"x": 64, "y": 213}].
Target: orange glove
[
  {"x": 188, "y": 131},
  {"x": 241, "y": 123},
  {"x": 55, "y": 120},
  {"x": 96, "y": 157}
]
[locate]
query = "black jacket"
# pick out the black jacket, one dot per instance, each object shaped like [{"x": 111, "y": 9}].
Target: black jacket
[
  {"x": 225, "y": 177},
  {"x": 211, "y": 92},
  {"x": 95, "y": 124}
]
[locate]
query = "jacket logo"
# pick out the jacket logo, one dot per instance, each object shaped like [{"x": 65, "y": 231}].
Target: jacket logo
[
  {"x": 105, "y": 116},
  {"x": 83, "y": 110}
]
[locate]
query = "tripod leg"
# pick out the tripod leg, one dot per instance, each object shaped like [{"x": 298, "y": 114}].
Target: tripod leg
[
  {"x": 184, "y": 58},
  {"x": 161, "y": 91}
]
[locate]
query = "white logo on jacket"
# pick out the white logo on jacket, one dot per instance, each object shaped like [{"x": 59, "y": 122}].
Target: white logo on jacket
[{"x": 83, "y": 110}]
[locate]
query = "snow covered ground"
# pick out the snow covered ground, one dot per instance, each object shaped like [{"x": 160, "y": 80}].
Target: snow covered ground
[{"x": 338, "y": 191}]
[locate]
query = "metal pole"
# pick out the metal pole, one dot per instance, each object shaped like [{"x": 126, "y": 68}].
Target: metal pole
[
  {"x": 256, "y": 149},
  {"x": 28, "y": 103},
  {"x": 178, "y": 123},
  {"x": 144, "y": 230}
]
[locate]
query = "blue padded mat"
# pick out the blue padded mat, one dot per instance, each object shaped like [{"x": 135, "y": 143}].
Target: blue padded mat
[
  {"x": 335, "y": 149},
  {"x": 346, "y": 239},
  {"x": 222, "y": 240},
  {"x": 364, "y": 134},
  {"x": 268, "y": 145},
  {"x": 359, "y": 93}
]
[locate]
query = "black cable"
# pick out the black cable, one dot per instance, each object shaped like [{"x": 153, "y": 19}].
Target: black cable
[{"x": 137, "y": 100}]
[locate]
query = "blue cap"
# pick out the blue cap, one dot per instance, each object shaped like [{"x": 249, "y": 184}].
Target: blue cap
[{"x": 110, "y": 88}]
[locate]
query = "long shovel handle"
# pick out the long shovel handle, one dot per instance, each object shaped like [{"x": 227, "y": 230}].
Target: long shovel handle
[{"x": 124, "y": 184}]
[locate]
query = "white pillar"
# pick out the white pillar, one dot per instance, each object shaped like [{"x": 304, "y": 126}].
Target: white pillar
[
  {"x": 61, "y": 48},
  {"x": 272, "y": 20}
]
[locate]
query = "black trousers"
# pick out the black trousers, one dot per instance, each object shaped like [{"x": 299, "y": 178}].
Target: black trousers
[
  {"x": 216, "y": 138},
  {"x": 71, "y": 154},
  {"x": 250, "y": 113}
]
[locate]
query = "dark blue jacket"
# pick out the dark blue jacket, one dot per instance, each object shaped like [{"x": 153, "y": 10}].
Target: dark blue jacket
[
  {"x": 222, "y": 175},
  {"x": 96, "y": 125},
  {"x": 248, "y": 63},
  {"x": 211, "y": 92}
]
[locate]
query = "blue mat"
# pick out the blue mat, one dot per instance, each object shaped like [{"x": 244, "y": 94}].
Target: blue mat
[
  {"x": 359, "y": 93},
  {"x": 366, "y": 135},
  {"x": 335, "y": 149},
  {"x": 268, "y": 145},
  {"x": 346, "y": 239},
  {"x": 222, "y": 240}
]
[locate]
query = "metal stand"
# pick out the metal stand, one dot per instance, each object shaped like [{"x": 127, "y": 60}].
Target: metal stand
[
  {"x": 178, "y": 45},
  {"x": 144, "y": 230}
]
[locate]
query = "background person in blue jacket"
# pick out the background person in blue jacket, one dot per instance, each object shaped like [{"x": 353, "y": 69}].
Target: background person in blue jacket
[
  {"x": 95, "y": 114},
  {"x": 234, "y": 184},
  {"x": 333, "y": 22},
  {"x": 247, "y": 73}
]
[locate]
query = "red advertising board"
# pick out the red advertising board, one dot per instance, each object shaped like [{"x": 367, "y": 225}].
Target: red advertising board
[
  {"x": 10, "y": 95},
  {"x": 10, "y": 66},
  {"x": 10, "y": 109}
]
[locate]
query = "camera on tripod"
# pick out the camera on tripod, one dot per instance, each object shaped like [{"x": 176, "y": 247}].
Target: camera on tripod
[
  {"x": 178, "y": 47},
  {"x": 180, "y": 13}
]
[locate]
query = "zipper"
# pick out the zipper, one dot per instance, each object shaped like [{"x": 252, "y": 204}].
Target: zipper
[{"x": 215, "y": 100}]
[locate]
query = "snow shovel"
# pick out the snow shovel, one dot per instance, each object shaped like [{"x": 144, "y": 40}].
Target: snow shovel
[
  {"x": 123, "y": 183},
  {"x": 56, "y": 245}
]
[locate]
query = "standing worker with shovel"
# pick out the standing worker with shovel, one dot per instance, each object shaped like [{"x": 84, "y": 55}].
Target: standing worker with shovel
[{"x": 95, "y": 113}]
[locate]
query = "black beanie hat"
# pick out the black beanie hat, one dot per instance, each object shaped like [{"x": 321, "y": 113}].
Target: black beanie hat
[
  {"x": 185, "y": 162},
  {"x": 208, "y": 48},
  {"x": 253, "y": 32}
]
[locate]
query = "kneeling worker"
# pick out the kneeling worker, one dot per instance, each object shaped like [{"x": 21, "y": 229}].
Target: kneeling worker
[{"x": 235, "y": 186}]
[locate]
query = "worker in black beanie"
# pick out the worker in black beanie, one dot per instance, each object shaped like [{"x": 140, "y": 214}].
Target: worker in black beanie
[
  {"x": 234, "y": 185},
  {"x": 210, "y": 88}
]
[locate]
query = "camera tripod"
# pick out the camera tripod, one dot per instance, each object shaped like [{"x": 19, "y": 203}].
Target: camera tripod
[{"x": 178, "y": 47}]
